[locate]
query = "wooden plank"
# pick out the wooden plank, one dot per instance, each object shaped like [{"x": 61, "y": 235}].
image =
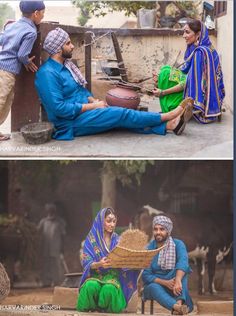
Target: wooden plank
[
  {"x": 119, "y": 57},
  {"x": 88, "y": 54},
  {"x": 26, "y": 105}
]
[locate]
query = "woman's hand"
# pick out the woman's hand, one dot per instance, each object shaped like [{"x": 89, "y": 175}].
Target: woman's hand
[
  {"x": 105, "y": 263},
  {"x": 177, "y": 288},
  {"x": 157, "y": 92}
]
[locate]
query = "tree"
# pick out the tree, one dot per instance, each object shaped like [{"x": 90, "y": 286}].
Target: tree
[
  {"x": 6, "y": 13},
  {"x": 101, "y": 8},
  {"x": 125, "y": 171}
]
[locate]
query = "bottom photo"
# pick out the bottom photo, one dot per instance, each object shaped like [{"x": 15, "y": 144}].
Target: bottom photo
[{"x": 116, "y": 236}]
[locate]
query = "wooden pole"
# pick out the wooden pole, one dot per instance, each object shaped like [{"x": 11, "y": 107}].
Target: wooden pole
[{"x": 88, "y": 54}]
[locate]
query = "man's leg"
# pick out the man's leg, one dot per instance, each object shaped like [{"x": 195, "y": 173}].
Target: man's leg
[
  {"x": 101, "y": 120},
  {"x": 185, "y": 297},
  {"x": 160, "y": 294},
  {"x": 46, "y": 271},
  {"x": 88, "y": 296},
  {"x": 7, "y": 84},
  {"x": 56, "y": 270}
]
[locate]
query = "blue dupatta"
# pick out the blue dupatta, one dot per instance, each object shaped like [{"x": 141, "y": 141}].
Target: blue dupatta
[
  {"x": 95, "y": 249},
  {"x": 205, "y": 79}
]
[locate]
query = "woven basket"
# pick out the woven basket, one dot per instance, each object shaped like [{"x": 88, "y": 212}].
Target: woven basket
[
  {"x": 131, "y": 251},
  {"x": 133, "y": 259},
  {"x": 37, "y": 133},
  {"x": 4, "y": 283}
]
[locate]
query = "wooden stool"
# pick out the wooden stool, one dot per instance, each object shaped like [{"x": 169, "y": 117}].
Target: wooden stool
[{"x": 143, "y": 306}]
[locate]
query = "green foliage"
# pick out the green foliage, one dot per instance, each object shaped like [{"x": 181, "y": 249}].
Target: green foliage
[
  {"x": 6, "y": 13},
  {"x": 127, "y": 171},
  {"x": 187, "y": 8},
  {"x": 100, "y": 8}
]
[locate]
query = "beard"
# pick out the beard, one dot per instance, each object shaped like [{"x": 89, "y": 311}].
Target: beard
[
  {"x": 66, "y": 55},
  {"x": 160, "y": 238}
]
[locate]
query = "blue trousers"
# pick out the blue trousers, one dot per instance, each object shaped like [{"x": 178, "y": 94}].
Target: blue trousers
[
  {"x": 101, "y": 120},
  {"x": 166, "y": 297}
]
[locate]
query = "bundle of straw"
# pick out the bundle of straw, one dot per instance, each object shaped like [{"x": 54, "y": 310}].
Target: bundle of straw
[{"x": 133, "y": 239}]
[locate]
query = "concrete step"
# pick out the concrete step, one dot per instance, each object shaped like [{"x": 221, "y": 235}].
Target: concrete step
[
  {"x": 215, "y": 307},
  {"x": 65, "y": 297}
]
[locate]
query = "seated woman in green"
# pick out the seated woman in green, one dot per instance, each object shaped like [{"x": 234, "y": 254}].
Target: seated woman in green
[
  {"x": 103, "y": 288},
  {"x": 170, "y": 83},
  {"x": 200, "y": 77}
]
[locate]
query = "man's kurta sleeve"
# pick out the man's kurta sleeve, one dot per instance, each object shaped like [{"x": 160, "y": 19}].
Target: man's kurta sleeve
[
  {"x": 148, "y": 276},
  {"x": 181, "y": 257},
  {"x": 50, "y": 87}
]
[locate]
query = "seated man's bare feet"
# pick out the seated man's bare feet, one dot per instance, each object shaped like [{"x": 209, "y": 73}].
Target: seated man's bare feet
[
  {"x": 172, "y": 114},
  {"x": 171, "y": 125},
  {"x": 179, "y": 309},
  {"x": 187, "y": 102}
]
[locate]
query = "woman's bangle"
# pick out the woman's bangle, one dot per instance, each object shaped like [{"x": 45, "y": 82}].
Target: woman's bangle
[{"x": 161, "y": 93}]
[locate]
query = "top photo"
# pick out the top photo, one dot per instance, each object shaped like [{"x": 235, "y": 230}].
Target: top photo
[{"x": 116, "y": 79}]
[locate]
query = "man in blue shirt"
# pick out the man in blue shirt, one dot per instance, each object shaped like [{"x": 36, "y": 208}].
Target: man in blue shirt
[
  {"x": 166, "y": 279},
  {"x": 74, "y": 111},
  {"x": 17, "y": 42}
]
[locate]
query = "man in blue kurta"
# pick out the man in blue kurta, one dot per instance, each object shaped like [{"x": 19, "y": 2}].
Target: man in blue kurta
[
  {"x": 166, "y": 279},
  {"x": 75, "y": 112}
]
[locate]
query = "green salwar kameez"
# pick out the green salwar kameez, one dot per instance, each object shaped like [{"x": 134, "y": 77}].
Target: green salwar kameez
[
  {"x": 170, "y": 77},
  {"x": 101, "y": 293}
]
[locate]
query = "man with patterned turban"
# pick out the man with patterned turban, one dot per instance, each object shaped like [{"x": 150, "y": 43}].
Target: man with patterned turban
[
  {"x": 75, "y": 112},
  {"x": 166, "y": 279}
]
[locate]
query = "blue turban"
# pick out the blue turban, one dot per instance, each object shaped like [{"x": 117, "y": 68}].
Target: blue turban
[{"x": 31, "y": 6}]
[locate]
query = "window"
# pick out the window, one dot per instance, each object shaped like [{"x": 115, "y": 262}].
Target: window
[{"x": 220, "y": 8}]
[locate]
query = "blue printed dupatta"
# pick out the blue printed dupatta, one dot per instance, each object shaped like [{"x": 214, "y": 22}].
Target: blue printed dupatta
[
  {"x": 95, "y": 249},
  {"x": 205, "y": 79}
]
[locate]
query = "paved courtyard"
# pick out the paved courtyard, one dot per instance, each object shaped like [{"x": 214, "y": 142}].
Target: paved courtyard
[{"x": 198, "y": 141}]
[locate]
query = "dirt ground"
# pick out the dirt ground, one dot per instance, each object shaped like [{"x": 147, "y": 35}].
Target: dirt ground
[{"x": 44, "y": 295}]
